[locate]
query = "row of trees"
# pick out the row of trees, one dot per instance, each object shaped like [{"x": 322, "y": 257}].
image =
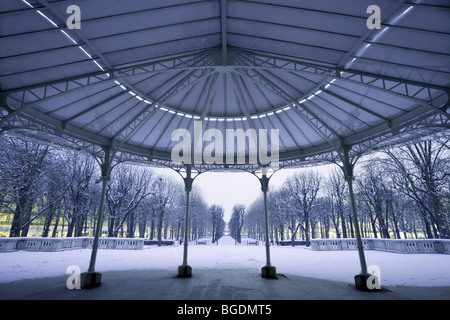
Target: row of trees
[
  {"x": 236, "y": 222},
  {"x": 402, "y": 192},
  {"x": 55, "y": 189},
  {"x": 218, "y": 224}
]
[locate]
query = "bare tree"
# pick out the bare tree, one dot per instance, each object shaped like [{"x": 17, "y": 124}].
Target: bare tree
[
  {"x": 198, "y": 214},
  {"x": 303, "y": 188},
  {"x": 80, "y": 172},
  {"x": 128, "y": 187},
  {"x": 278, "y": 202},
  {"x": 372, "y": 187},
  {"x": 291, "y": 214},
  {"x": 254, "y": 219},
  {"x": 216, "y": 213},
  {"x": 21, "y": 175},
  {"x": 236, "y": 222},
  {"x": 337, "y": 190},
  {"x": 143, "y": 215},
  {"x": 421, "y": 171},
  {"x": 322, "y": 210},
  {"x": 178, "y": 214},
  {"x": 163, "y": 203},
  {"x": 56, "y": 186}
]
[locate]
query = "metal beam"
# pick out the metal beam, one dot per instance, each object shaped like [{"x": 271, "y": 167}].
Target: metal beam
[
  {"x": 316, "y": 123},
  {"x": 54, "y": 89},
  {"x": 188, "y": 81},
  {"x": 134, "y": 124},
  {"x": 95, "y": 106},
  {"x": 356, "y": 105},
  {"x": 196, "y": 60},
  {"x": 242, "y": 104},
  {"x": 406, "y": 89},
  {"x": 377, "y": 137},
  {"x": 241, "y": 101},
  {"x": 269, "y": 118},
  {"x": 210, "y": 96},
  {"x": 249, "y": 59},
  {"x": 223, "y": 18},
  {"x": 387, "y": 14}
]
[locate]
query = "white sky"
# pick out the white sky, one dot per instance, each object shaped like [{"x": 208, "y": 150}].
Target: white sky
[{"x": 229, "y": 188}]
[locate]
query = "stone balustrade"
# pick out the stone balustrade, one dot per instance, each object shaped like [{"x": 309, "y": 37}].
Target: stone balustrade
[
  {"x": 61, "y": 244},
  {"x": 390, "y": 245}
]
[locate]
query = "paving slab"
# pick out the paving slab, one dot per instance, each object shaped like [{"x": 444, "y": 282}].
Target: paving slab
[{"x": 220, "y": 284}]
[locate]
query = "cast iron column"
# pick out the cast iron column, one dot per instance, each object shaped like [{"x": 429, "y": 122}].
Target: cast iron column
[
  {"x": 91, "y": 278},
  {"x": 185, "y": 271},
  {"x": 363, "y": 277},
  {"x": 268, "y": 271}
]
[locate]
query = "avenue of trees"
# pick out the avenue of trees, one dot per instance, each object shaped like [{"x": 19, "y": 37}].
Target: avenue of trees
[
  {"x": 218, "y": 224},
  {"x": 48, "y": 191},
  {"x": 237, "y": 222},
  {"x": 403, "y": 192}
]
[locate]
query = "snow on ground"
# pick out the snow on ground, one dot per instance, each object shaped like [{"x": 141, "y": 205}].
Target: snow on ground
[{"x": 396, "y": 269}]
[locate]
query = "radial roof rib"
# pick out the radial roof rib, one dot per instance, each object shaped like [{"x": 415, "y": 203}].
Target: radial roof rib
[{"x": 137, "y": 70}]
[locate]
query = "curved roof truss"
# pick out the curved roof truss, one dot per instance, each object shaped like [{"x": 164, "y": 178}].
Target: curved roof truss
[{"x": 134, "y": 74}]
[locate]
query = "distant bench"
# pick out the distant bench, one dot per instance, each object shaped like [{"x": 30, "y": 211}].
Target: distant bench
[
  {"x": 252, "y": 242},
  {"x": 163, "y": 242},
  {"x": 204, "y": 242},
  {"x": 290, "y": 243}
]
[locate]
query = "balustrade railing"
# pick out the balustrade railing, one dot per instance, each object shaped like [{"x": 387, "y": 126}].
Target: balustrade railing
[
  {"x": 390, "y": 245},
  {"x": 61, "y": 244}
]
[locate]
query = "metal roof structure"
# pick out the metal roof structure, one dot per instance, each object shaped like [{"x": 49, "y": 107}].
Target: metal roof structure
[
  {"x": 334, "y": 79},
  {"x": 137, "y": 70}
]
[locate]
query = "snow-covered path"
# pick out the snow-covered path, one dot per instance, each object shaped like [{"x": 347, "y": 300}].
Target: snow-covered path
[{"x": 396, "y": 269}]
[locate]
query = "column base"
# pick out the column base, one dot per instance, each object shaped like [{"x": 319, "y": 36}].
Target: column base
[
  {"x": 184, "y": 271},
  {"x": 269, "y": 272},
  {"x": 367, "y": 282},
  {"x": 89, "y": 280}
]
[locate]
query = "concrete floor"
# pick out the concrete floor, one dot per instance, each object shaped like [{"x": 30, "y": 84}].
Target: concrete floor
[{"x": 237, "y": 284}]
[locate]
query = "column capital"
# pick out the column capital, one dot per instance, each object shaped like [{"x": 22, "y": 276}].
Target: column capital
[
  {"x": 188, "y": 180},
  {"x": 347, "y": 164},
  {"x": 264, "y": 180},
  {"x": 106, "y": 162}
]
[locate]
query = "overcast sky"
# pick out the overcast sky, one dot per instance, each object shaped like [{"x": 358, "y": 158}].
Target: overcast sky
[{"x": 229, "y": 188}]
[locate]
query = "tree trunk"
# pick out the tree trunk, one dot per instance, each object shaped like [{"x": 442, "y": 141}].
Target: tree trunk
[
  {"x": 159, "y": 228},
  {"x": 18, "y": 218},
  {"x": 70, "y": 227},
  {"x": 152, "y": 229},
  {"x": 344, "y": 227},
  {"x": 55, "y": 228},
  {"x": 141, "y": 229},
  {"x": 48, "y": 221},
  {"x": 307, "y": 230},
  {"x": 25, "y": 218}
]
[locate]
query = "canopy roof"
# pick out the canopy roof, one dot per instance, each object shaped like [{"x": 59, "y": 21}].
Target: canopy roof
[{"x": 138, "y": 70}]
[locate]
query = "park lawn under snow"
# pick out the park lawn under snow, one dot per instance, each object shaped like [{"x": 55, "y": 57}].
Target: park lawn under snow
[{"x": 396, "y": 269}]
